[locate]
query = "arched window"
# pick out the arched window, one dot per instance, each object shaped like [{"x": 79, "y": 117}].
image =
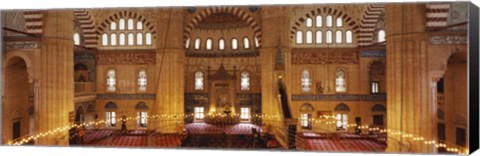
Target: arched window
[
  {"x": 139, "y": 25},
  {"x": 76, "y": 39},
  {"x": 329, "y": 21},
  {"x": 221, "y": 44},
  {"x": 381, "y": 36},
  {"x": 306, "y": 111},
  {"x": 187, "y": 43},
  {"x": 209, "y": 44},
  {"x": 339, "y": 22},
  {"x": 142, "y": 80},
  {"x": 375, "y": 87},
  {"x": 113, "y": 39},
  {"x": 309, "y": 35},
  {"x": 256, "y": 42},
  {"x": 113, "y": 26},
  {"x": 142, "y": 119},
  {"x": 122, "y": 39},
  {"x": 234, "y": 44},
  {"x": 329, "y": 36},
  {"x": 199, "y": 80},
  {"x": 130, "y": 24},
  {"x": 309, "y": 22},
  {"x": 318, "y": 37},
  {"x": 199, "y": 113},
  {"x": 342, "y": 116},
  {"x": 338, "y": 36},
  {"x": 125, "y": 33},
  {"x": 246, "y": 43},
  {"x": 130, "y": 39},
  {"x": 110, "y": 115},
  {"x": 197, "y": 43},
  {"x": 139, "y": 39},
  {"x": 245, "y": 113},
  {"x": 148, "y": 39},
  {"x": 348, "y": 36},
  {"x": 340, "y": 81},
  {"x": 306, "y": 81},
  {"x": 111, "y": 80},
  {"x": 121, "y": 24},
  {"x": 245, "y": 81},
  {"x": 318, "y": 21},
  {"x": 104, "y": 39},
  {"x": 299, "y": 37}
]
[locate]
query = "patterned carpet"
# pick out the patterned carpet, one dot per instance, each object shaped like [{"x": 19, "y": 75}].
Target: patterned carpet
[
  {"x": 167, "y": 140},
  {"x": 237, "y": 129},
  {"x": 222, "y": 141},
  {"x": 97, "y": 134},
  {"x": 238, "y": 136},
  {"x": 343, "y": 145}
]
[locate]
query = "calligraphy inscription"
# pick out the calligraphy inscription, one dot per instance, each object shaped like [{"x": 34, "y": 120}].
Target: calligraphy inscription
[
  {"x": 324, "y": 57},
  {"x": 126, "y": 58}
]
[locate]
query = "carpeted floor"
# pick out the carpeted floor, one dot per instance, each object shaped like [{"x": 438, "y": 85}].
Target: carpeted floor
[
  {"x": 204, "y": 128},
  {"x": 343, "y": 145}
]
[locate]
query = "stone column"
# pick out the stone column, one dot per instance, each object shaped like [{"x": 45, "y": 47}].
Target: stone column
[
  {"x": 409, "y": 108},
  {"x": 170, "y": 66},
  {"x": 56, "y": 93},
  {"x": 274, "y": 38}
]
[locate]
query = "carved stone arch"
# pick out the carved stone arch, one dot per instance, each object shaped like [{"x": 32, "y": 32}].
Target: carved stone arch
[
  {"x": 20, "y": 54},
  {"x": 81, "y": 108},
  {"x": 110, "y": 106},
  {"x": 90, "y": 107},
  {"x": 371, "y": 15},
  {"x": 349, "y": 22},
  {"x": 307, "y": 107},
  {"x": 141, "y": 106},
  {"x": 87, "y": 25},
  {"x": 342, "y": 107},
  {"x": 105, "y": 25},
  {"x": 379, "y": 108},
  {"x": 244, "y": 15}
]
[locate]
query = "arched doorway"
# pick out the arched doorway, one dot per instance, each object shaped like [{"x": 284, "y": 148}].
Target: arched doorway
[
  {"x": 379, "y": 112},
  {"x": 455, "y": 100},
  {"x": 80, "y": 115},
  {"x": 18, "y": 106}
]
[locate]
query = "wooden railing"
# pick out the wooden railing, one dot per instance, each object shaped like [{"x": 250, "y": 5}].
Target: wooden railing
[{"x": 82, "y": 88}]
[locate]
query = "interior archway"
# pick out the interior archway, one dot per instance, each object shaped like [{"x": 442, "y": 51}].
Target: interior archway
[
  {"x": 455, "y": 104},
  {"x": 18, "y": 100}
]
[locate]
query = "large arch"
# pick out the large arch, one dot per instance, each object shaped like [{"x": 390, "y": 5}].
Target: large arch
[
  {"x": 104, "y": 26},
  {"x": 223, "y": 9},
  {"x": 87, "y": 25},
  {"x": 456, "y": 102},
  {"x": 349, "y": 22},
  {"x": 370, "y": 17},
  {"x": 17, "y": 118},
  {"x": 34, "y": 21}
]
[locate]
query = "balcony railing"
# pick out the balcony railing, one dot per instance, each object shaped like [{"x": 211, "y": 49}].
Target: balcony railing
[{"x": 84, "y": 88}]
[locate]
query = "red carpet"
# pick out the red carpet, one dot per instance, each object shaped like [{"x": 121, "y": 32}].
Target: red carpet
[
  {"x": 344, "y": 145},
  {"x": 204, "y": 128},
  {"x": 96, "y": 134},
  {"x": 167, "y": 140}
]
